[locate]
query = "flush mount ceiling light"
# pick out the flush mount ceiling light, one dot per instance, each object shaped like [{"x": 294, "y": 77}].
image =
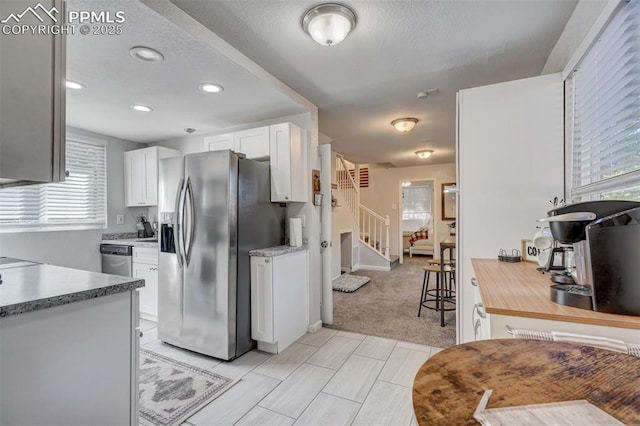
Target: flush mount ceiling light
[
  {"x": 329, "y": 23},
  {"x": 75, "y": 85},
  {"x": 404, "y": 125},
  {"x": 211, "y": 88},
  {"x": 146, "y": 54},
  {"x": 141, "y": 108},
  {"x": 425, "y": 153}
]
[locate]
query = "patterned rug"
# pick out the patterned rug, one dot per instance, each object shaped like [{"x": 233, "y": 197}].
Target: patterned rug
[
  {"x": 172, "y": 391},
  {"x": 349, "y": 283}
]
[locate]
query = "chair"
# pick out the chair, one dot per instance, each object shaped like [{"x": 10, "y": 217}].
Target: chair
[{"x": 445, "y": 288}]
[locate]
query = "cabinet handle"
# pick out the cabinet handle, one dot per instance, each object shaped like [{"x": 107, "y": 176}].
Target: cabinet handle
[
  {"x": 477, "y": 307},
  {"x": 286, "y": 198},
  {"x": 474, "y": 282},
  {"x": 476, "y": 327}
]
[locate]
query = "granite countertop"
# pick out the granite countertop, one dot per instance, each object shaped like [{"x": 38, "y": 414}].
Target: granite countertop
[
  {"x": 129, "y": 239},
  {"x": 277, "y": 251},
  {"x": 30, "y": 286}
]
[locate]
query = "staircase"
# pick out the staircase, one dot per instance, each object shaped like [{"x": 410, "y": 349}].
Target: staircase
[{"x": 373, "y": 229}]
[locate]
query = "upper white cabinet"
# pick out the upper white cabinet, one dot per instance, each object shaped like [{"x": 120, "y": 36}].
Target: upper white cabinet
[
  {"x": 141, "y": 175},
  {"x": 32, "y": 105},
  {"x": 254, "y": 143},
  {"x": 289, "y": 180},
  {"x": 510, "y": 164},
  {"x": 220, "y": 142}
]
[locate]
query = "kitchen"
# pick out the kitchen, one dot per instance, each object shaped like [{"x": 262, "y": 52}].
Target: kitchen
[{"x": 40, "y": 246}]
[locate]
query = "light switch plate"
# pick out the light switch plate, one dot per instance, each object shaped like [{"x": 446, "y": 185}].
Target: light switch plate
[{"x": 119, "y": 219}]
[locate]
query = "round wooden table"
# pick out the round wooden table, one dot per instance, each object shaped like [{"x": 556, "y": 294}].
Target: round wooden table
[{"x": 449, "y": 385}]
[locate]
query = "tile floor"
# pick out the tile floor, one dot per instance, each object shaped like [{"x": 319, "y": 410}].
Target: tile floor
[{"x": 326, "y": 378}]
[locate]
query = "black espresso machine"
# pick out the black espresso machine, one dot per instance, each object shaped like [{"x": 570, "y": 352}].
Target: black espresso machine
[{"x": 606, "y": 244}]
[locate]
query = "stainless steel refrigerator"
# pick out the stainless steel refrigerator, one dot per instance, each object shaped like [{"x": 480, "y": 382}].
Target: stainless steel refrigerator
[{"x": 214, "y": 207}]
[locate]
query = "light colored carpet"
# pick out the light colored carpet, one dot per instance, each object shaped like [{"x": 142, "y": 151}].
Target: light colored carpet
[
  {"x": 349, "y": 282},
  {"x": 388, "y": 307},
  {"x": 172, "y": 391}
]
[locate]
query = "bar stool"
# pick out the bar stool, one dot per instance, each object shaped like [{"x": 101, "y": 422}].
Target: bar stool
[{"x": 445, "y": 288}]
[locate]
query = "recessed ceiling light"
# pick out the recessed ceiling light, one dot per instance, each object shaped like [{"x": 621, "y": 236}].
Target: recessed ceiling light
[
  {"x": 146, "y": 54},
  {"x": 404, "y": 125},
  {"x": 141, "y": 108},
  {"x": 75, "y": 85},
  {"x": 425, "y": 153},
  {"x": 211, "y": 88}
]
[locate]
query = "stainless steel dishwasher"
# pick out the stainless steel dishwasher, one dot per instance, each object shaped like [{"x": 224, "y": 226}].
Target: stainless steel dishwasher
[{"x": 116, "y": 259}]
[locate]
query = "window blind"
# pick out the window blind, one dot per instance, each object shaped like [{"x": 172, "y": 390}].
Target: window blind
[
  {"x": 78, "y": 203},
  {"x": 602, "y": 107}
]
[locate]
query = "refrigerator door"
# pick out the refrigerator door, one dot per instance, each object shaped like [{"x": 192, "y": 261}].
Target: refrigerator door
[
  {"x": 209, "y": 313},
  {"x": 170, "y": 265}
]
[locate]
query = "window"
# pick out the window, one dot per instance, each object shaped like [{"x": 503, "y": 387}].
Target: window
[
  {"x": 416, "y": 205},
  {"x": 78, "y": 203},
  {"x": 602, "y": 106}
]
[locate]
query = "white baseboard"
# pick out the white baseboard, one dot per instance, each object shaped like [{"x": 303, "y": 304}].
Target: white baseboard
[
  {"x": 316, "y": 326},
  {"x": 375, "y": 268},
  {"x": 355, "y": 268}
]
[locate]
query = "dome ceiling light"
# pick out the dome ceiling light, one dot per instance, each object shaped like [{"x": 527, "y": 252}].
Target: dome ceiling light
[
  {"x": 404, "y": 125},
  {"x": 329, "y": 23},
  {"x": 146, "y": 54},
  {"x": 425, "y": 153}
]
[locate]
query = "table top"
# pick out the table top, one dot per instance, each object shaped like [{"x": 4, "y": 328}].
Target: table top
[{"x": 449, "y": 385}]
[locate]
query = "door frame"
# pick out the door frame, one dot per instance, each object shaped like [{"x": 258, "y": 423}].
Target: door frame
[{"x": 401, "y": 208}]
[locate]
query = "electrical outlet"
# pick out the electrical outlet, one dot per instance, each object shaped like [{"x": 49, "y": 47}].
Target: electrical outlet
[{"x": 119, "y": 219}]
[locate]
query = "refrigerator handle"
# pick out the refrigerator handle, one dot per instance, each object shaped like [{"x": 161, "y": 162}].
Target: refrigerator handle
[
  {"x": 179, "y": 223},
  {"x": 192, "y": 218}
]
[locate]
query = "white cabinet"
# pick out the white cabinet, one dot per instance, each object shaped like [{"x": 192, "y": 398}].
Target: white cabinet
[
  {"x": 254, "y": 143},
  {"x": 510, "y": 163},
  {"x": 32, "y": 105},
  {"x": 72, "y": 364},
  {"x": 278, "y": 300},
  {"x": 220, "y": 142},
  {"x": 145, "y": 266},
  {"x": 141, "y": 175},
  {"x": 288, "y": 156}
]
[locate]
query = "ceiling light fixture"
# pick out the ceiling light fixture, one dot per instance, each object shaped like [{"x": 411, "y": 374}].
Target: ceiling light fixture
[
  {"x": 425, "y": 153},
  {"x": 75, "y": 85},
  {"x": 146, "y": 54},
  {"x": 211, "y": 88},
  {"x": 329, "y": 23},
  {"x": 404, "y": 125},
  {"x": 141, "y": 108},
  {"x": 426, "y": 93}
]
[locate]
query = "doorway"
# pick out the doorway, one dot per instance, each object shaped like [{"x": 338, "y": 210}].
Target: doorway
[
  {"x": 346, "y": 251},
  {"x": 417, "y": 199}
]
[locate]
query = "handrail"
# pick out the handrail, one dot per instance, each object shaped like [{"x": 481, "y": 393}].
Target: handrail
[
  {"x": 371, "y": 212},
  {"x": 347, "y": 186}
]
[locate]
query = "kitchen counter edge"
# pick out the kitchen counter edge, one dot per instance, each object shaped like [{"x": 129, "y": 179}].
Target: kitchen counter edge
[{"x": 277, "y": 251}]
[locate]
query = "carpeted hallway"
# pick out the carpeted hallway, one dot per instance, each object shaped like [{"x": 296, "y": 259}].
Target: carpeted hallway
[{"x": 388, "y": 307}]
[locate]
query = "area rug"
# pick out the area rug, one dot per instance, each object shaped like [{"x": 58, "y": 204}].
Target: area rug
[
  {"x": 172, "y": 391},
  {"x": 348, "y": 283}
]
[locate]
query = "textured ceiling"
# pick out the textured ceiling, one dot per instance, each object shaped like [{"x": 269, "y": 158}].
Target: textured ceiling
[
  {"x": 115, "y": 81},
  {"x": 398, "y": 48}
]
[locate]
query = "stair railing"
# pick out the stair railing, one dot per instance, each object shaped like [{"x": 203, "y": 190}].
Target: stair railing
[{"x": 374, "y": 230}]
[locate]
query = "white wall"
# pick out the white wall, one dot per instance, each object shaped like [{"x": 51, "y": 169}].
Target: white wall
[
  {"x": 578, "y": 25},
  {"x": 384, "y": 192},
  {"x": 80, "y": 249}
]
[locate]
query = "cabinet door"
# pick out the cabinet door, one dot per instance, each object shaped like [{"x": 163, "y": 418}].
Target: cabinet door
[
  {"x": 220, "y": 142},
  {"x": 134, "y": 178},
  {"x": 148, "y": 293},
  {"x": 254, "y": 143},
  {"x": 262, "y": 299},
  {"x": 32, "y": 105},
  {"x": 280, "y": 163},
  {"x": 150, "y": 177}
]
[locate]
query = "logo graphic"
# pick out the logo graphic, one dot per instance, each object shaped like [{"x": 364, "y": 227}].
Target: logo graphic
[{"x": 34, "y": 12}]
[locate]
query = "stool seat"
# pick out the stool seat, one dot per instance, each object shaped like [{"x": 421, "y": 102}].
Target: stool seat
[
  {"x": 436, "y": 268},
  {"x": 437, "y": 262}
]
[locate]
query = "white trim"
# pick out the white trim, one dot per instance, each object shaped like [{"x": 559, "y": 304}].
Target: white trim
[
  {"x": 375, "y": 268},
  {"x": 592, "y": 36},
  {"x": 315, "y": 327}
]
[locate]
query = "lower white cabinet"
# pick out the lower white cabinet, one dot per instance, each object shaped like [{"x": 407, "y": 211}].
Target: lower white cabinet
[
  {"x": 278, "y": 300},
  {"x": 145, "y": 266}
]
